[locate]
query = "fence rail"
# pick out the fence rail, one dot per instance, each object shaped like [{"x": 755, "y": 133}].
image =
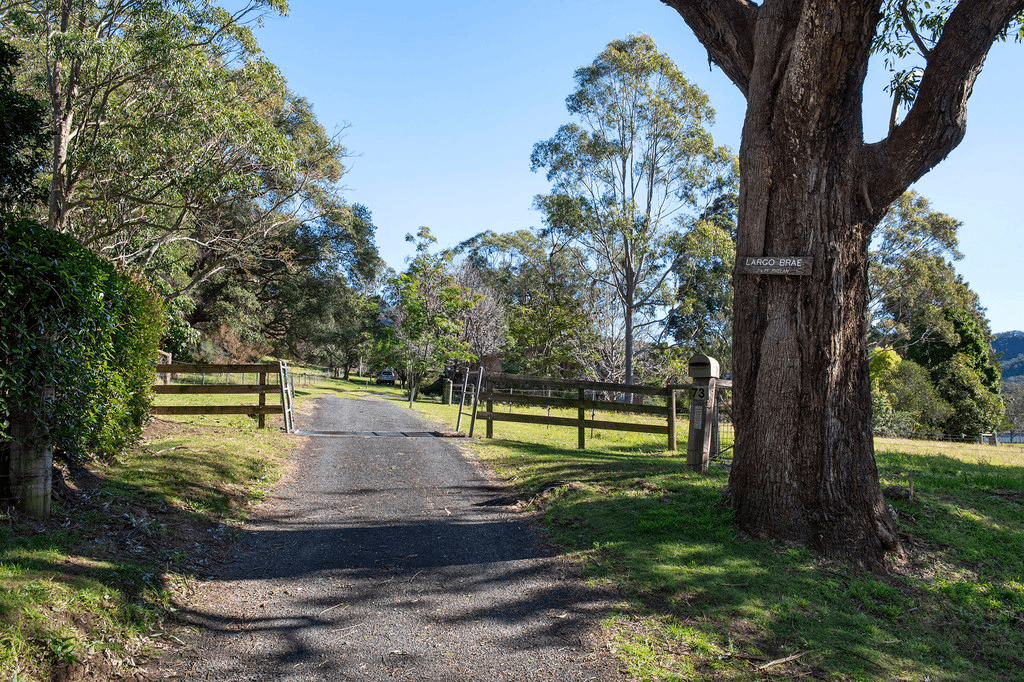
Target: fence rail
[
  {"x": 284, "y": 387},
  {"x": 704, "y": 397},
  {"x": 492, "y": 395}
]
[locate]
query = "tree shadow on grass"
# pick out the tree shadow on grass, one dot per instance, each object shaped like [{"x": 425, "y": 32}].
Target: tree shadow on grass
[{"x": 953, "y": 610}]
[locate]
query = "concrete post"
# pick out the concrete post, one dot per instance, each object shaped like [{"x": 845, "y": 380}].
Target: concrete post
[{"x": 31, "y": 464}]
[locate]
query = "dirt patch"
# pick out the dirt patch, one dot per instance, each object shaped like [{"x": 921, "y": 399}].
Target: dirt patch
[{"x": 164, "y": 428}]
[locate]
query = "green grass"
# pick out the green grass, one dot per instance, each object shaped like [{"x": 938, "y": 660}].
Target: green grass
[
  {"x": 700, "y": 603},
  {"x": 94, "y": 587}
]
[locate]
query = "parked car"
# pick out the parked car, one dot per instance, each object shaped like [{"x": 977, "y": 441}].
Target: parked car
[{"x": 386, "y": 377}]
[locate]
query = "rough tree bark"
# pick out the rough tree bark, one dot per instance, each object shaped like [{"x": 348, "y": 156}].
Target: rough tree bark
[{"x": 804, "y": 469}]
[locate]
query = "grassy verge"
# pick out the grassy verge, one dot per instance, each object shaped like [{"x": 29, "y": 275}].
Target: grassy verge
[
  {"x": 88, "y": 593},
  {"x": 701, "y": 603}
]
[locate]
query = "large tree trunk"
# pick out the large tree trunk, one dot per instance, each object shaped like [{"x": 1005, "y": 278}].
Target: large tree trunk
[{"x": 804, "y": 469}]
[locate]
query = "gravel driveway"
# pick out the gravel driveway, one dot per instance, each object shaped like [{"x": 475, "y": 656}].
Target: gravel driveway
[{"x": 380, "y": 558}]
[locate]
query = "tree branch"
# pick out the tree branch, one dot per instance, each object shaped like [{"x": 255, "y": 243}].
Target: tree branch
[
  {"x": 937, "y": 122},
  {"x": 726, "y": 29},
  {"x": 912, "y": 29}
]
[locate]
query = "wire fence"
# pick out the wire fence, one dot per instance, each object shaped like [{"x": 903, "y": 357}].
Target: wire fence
[{"x": 1012, "y": 437}]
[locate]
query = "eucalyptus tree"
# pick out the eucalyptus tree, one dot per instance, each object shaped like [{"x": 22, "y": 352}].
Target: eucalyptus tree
[
  {"x": 811, "y": 187},
  {"x": 638, "y": 160},
  {"x": 171, "y": 136},
  {"x": 911, "y": 278},
  {"x": 704, "y": 254},
  {"x": 311, "y": 296},
  {"x": 485, "y": 324}
]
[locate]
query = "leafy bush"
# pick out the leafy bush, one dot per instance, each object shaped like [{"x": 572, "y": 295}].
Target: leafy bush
[{"x": 70, "y": 320}]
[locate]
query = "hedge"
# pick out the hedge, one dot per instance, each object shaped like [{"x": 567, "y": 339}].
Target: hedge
[{"x": 71, "y": 320}]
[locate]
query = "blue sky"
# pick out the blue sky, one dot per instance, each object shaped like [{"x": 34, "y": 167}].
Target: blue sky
[{"x": 443, "y": 102}]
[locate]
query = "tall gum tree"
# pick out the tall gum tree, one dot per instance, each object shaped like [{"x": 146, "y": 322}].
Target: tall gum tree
[
  {"x": 639, "y": 160},
  {"x": 804, "y": 468}
]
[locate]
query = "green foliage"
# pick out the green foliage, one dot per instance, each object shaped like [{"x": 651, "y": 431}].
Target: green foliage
[
  {"x": 424, "y": 322},
  {"x": 232, "y": 207},
  {"x": 883, "y": 362},
  {"x": 907, "y": 404},
  {"x": 548, "y": 313},
  {"x": 925, "y": 312},
  {"x": 639, "y": 160},
  {"x": 976, "y": 408},
  {"x": 704, "y": 257},
  {"x": 307, "y": 297},
  {"x": 965, "y": 374},
  {"x": 971, "y": 339},
  {"x": 22, "y": 134},
  {"x": 221, "y": 153},
  {"x": 912, "y": 280},
  {"x": 70, "y": 320}
]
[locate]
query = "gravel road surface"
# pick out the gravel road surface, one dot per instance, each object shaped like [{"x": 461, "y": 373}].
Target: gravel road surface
[{"x": 381, "y": 558}]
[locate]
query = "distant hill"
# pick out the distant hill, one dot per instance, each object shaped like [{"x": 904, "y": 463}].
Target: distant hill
[{"x": 1011, "y": 345}]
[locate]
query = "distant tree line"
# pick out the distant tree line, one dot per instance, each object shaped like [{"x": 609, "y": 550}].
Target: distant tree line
[{"x": 933, "y": 368}]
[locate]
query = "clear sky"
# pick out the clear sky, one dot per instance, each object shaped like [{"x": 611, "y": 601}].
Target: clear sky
[{"x": 441, "y": 104}]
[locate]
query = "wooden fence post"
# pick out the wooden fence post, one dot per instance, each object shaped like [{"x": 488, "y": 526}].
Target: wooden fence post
[
  {"x": 704, "y": 371},
  {"x": 476, "y": 401},
  {"x": 462, "y": 400},
  {"x": 582, "y": 416},
  {"x": 670, "y": 407},
  {"x": 490, "y": 409},
  {"x": 263, "y": 400},
  {"x": 31, "y": 465}
]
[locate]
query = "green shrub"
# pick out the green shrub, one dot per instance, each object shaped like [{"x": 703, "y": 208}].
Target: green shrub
[{"x": 71, "y": 320}]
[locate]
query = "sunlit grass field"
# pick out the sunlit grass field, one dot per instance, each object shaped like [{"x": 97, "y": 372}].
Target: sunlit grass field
[
  {"x": 699, "y": 602},
  {"x": 93, "y": 588}
]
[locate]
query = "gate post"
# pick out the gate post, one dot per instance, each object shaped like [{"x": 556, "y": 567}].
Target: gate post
[
  {"x": 704, "y": 371},
  {"x": 581, "y": 416},
  {"x": 262, "y": 418},
  {"x": 670, "y": 407}
]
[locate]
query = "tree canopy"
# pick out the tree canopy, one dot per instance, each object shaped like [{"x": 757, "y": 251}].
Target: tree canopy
[{"x": 638, "y": 161}]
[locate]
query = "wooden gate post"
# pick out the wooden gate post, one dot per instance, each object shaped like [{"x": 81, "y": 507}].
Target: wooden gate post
[
  {"x": 263, "y": 400},
  {"x": 670, "y": 408},
  {"x": 704, "y": 371},
  {"x": 476, "y": 403},
  {"x": 489, "y": 406},
  {"x": 462, "y": 400},
  {"x": 582, "y": 416}
]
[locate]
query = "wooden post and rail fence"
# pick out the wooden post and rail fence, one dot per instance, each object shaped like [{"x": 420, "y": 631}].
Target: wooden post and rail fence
[
  {"x": 284, "y": 388},
  {"x": 30, "y": 464},
  {"x": 703, "y": 415}
]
